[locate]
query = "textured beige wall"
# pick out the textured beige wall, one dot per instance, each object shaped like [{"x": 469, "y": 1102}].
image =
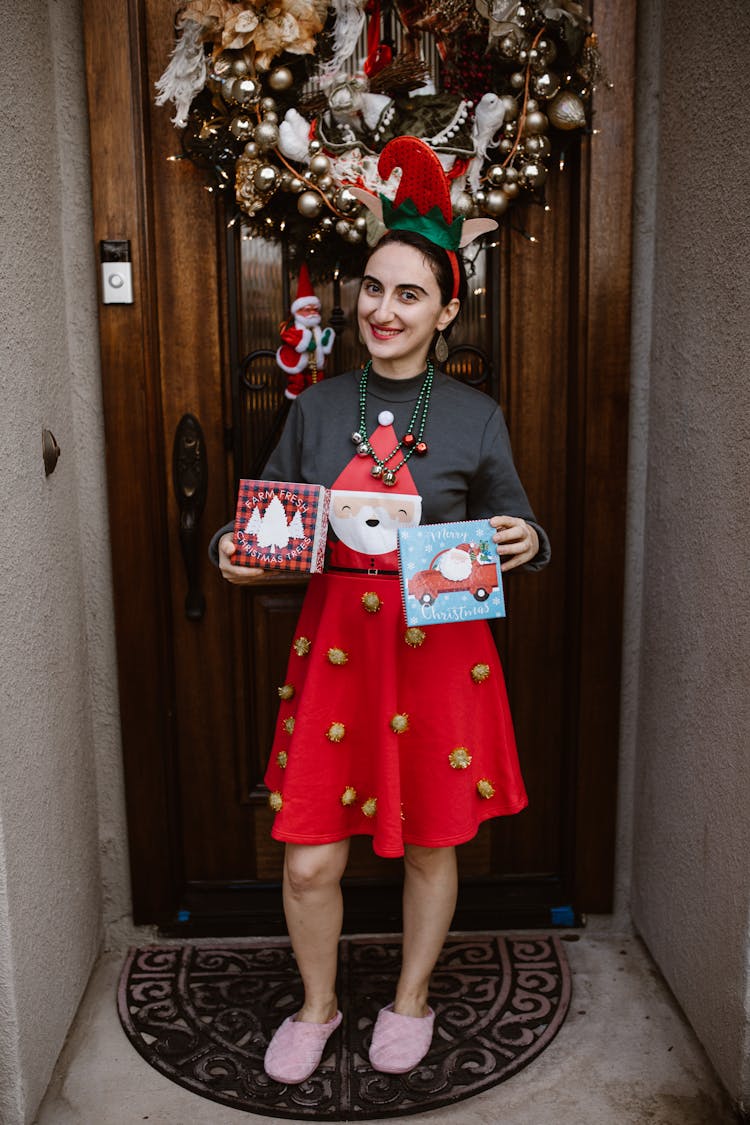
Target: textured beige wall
[
  {"x": 691, "y": 838},
  {"x": 59, "y": 715}
]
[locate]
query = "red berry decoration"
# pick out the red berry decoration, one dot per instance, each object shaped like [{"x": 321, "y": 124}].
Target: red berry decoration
[
  {"x": 408, "y": 441},
  {"x": 420, "y": 448}
]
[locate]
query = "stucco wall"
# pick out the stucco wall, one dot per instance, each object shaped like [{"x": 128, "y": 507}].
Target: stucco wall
[
  {"x": 691, "y": 875},
  {"x": 59, "y": 713}
]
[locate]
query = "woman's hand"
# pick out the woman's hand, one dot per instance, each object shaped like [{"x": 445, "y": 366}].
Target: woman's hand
[
  {"x": 514, "y": 538},
  {"x": 239, "y": 575}
]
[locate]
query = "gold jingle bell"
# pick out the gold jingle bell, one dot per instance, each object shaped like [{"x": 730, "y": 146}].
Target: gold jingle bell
[
  {"x": 480, "y": 672},
  {"x": 371, "y": 601}
]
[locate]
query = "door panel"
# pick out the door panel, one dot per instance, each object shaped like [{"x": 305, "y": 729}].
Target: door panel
[{"x": 199, "y": 696}]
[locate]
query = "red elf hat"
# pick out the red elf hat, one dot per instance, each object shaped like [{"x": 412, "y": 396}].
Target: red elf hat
[{"x": 423, "y": 200}]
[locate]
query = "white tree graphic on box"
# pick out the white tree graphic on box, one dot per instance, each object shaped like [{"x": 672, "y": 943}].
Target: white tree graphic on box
[{"x": 271, "y": 530}]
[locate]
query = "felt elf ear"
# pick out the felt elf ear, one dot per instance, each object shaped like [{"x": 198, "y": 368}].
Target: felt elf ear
[{"x": 423, "y": 199}]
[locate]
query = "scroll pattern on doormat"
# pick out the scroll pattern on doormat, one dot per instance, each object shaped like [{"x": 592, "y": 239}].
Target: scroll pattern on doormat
[{"x": 203, "y": 1014}]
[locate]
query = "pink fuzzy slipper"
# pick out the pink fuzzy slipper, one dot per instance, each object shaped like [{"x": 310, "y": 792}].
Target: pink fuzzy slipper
[
  {"x": 400, "y": 1042},
  {"x": 296, "y": 1049}
]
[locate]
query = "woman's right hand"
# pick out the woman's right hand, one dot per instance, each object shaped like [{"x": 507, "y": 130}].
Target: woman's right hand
[{"x": 239, "y": 575}]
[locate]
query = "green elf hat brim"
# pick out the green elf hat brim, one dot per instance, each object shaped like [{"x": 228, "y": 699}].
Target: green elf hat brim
[{"x": 432, "y": 225}]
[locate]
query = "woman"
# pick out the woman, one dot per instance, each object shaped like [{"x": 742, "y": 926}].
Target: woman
[{"x": 403, "y": 734}]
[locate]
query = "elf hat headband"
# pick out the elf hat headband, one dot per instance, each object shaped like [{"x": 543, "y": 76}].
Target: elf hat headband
[{"x": 423, "y": 200}]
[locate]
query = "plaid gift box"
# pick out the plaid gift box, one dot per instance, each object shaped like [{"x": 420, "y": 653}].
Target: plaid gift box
[{"x": 280, "y": 525}]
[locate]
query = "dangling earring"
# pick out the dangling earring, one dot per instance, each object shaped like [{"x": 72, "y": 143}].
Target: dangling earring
[{"x": 441, "y": 348}]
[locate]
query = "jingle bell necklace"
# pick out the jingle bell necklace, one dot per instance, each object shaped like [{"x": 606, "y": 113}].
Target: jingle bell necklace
[{"x": 410, "y": 443}]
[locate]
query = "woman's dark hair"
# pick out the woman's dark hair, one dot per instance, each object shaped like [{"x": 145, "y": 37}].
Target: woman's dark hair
[{"x": 438, "y": 261}]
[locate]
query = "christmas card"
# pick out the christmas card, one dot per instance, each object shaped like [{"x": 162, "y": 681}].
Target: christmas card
[
  {"x": 450, "y": 572},
  {"x": 281, "y": 526}
]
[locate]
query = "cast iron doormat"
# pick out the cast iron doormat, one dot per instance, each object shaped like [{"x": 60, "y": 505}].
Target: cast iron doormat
[{"x": 203, "y": 1014}]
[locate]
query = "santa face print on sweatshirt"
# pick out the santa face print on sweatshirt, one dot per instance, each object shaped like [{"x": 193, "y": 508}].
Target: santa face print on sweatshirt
[{"x": 368, "y": 522}]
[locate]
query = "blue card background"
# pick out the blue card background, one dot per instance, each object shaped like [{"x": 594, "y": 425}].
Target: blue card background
[{"x": 417, "y": 547}]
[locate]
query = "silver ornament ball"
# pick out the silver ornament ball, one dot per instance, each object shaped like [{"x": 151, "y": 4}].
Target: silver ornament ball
[
  {"x": 496, "y": 174},
  {"x": 266, "y": 135},
  {"x": 497, "y": 202},
  {"x": 319, "y": 164},
  {"x": 463, "y": 205},
  {"x": 281, "y": 79},
  {"x": 345, "y": 201},
  {"x": 309, "y": 205},
  {"x": 566, "y": 111},
  {"x": 268, "y": 105},
  {"x": 241, "y": 126},
  {"x": 266, "y": 178},
  {"x": 246, "y": 90}
]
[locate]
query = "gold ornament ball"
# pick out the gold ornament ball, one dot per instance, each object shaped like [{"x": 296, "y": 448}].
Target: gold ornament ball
[
  {"x": 241, "y": 126},
  {"x": 353, "y": 235},
  {"x": 512, "y": 188},
  {"x": 546, "y": 84},
  {"x": 497, "y": 202},
  {"x": 533, "y": 175},
  {"x": 506, "y": 146},
  {"x": 296, "y": 184},
  {"x": 326, "y": 224},
  {"x": 285, "y": 180},
  {"x": 546, "y": 50},
  {"x": 239, "y": 66},
  {"x": 566, "y": 111},
  {"x": 320, "y": 165},
  {"x": 266, "y": 178},
  {"x": 496, "y": 174},
  {"x": 536, "y": 122},
  {"x": 345, "y": 201},
  {"x": 309, "y": 205},
  {"x": 246, "y": 89},
  {"x": 517, "y": 80},
  {"x": 272, "y": 118},
  {"x": 342, "y": 228},
  {"x": 511, "y": 175},
  {"x": 325, "y": 183},
  {"x": 480, "y": 198},
  {"x": 315, "y": 146},
  {"x": 463, "y": 205},
  {"x": 281, "y": 79},
  {"x": 360, "y": 224},
  {"x": 266, "y": 135},
  {"x": 267, "y": 105},
  {"x": 251, "y": 150}
]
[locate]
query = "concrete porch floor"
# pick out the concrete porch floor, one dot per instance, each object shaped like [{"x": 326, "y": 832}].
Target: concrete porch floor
[{"x": 624, "y": 1055}]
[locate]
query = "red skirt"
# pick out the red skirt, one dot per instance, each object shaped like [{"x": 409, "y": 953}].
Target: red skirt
[{"x": 401, "y": 734}]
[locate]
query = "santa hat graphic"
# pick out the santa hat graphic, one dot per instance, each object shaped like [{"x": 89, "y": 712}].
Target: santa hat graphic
[
  {"x": 305, "y": 294},
  {"x": 357, "y": 477}
]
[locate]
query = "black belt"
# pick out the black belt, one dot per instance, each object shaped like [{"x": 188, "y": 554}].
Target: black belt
[{"x": 359, "y": 570}]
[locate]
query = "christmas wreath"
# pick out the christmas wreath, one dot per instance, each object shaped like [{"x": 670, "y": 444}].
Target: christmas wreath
[{"x": 273, "y": 104}]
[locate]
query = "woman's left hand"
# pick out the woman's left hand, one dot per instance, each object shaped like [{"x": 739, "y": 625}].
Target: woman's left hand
[{"x": 514, "y": 538}]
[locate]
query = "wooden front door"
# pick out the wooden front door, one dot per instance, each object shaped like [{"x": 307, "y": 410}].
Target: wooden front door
[{"x": 199, "y": 661}]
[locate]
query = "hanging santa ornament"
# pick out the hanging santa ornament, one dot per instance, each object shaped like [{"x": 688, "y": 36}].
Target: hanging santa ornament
[{"x": 305, "y": 345}]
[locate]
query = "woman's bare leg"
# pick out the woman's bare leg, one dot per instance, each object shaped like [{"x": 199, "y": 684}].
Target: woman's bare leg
[
  {"x": 314, "y": 908},
  {"x": 430, "y": 890}
]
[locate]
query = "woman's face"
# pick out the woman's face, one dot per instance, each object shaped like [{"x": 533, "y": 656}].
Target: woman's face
[{"x": 400, "y": 309}]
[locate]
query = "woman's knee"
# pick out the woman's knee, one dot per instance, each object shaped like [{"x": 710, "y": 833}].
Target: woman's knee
[
  {"x": 309, "y": 868},
  {"x": 427, "y": 860}
]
